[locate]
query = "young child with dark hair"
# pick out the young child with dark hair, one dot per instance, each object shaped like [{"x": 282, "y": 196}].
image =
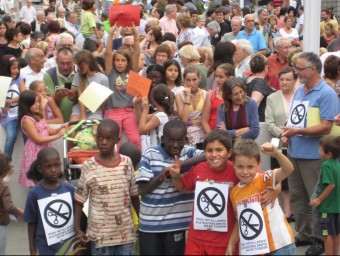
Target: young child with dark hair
[
  {"x": 246, "y": 159},
  {"x": 327, "y": 202},
  {"x": 108, "y": 180},
  {"x": 88, "y": 20},
  {"x": 217, "y": 169},
  {"x": 6, "y": 204},
  {"x": 131, "y": 150},
  {"x": 165, "y": 213},
  {"x": 50, "y": 200}
]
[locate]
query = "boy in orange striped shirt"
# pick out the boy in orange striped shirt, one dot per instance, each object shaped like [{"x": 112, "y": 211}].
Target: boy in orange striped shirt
[{"x": 247, "y": 160}]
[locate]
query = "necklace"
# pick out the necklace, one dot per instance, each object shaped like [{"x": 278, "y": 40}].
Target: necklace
[{"x": 194, "y": 94}]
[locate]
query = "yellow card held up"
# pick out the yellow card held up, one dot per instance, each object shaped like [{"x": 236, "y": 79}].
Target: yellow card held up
[
  {"x": 313, "y": 118},
  {"x": 94, "y": 95},
  {"x": 5, "y": 83}
]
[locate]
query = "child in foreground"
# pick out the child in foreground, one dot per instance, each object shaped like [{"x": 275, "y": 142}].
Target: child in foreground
[
  {"x": 217, "y": 168},
  {"x": 327, "y": 202},
  {"x": 246, "y": 160},
  {"x": 49, "y": 165},
  {"x": 6, "y": 204},
  {"x": 108, "y": 180}
]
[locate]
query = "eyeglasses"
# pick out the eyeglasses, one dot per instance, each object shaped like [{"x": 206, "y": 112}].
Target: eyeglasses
[{"x": 301, "y": 69}]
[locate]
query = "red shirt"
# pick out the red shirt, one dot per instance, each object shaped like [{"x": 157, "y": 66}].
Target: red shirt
[
  {"x": 274, "y": 66},
  {"x": 202, "y": 172},
  {"x": 215, "y": 102}
]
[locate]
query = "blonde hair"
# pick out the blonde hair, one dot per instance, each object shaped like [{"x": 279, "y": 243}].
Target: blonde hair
[
  {"x": 190, "y": 53},
  {"x": 42, "y": 45}
]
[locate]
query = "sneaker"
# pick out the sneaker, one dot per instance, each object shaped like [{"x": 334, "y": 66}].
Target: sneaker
[
  {"x": 317, "y": 248},
  {"x": 299, "y": 242}
]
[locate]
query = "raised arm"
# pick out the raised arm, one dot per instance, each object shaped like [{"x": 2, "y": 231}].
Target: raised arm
[
  {"x": 147, "y": 122},
  {"x": 183, "y": 107},
  {"x": 108, "y": 52},
  {"x": 136, "y": 50},
  {"x": 286, "y": 166}
]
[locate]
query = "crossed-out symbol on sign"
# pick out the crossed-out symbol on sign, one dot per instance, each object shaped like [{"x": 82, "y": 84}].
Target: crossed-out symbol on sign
[
  {"x": 57, "y": 213},
  {"x": 298, "y": 114},
  {"x": 211, "y": 202},
  {"x": 252, "y": 220}
]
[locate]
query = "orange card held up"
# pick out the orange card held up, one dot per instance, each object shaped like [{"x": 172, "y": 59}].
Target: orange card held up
[
  {"x": 124, "y": 15},
  {"x": 138, "y": 85}
]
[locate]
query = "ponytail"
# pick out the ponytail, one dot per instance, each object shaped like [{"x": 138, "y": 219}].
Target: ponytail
[{"x": 33, "y": 172}]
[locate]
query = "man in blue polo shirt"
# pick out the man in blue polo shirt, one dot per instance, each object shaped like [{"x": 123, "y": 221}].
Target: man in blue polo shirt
[
  {"x": 303, "y": 146},
  {"x": 164, "y": 213},
  {"x": 253, "y": 35}
]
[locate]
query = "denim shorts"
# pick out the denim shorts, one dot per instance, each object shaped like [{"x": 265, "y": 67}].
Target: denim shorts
[
  {"x": 122, "y": 249},
  {"x": 286, "y": 250}
]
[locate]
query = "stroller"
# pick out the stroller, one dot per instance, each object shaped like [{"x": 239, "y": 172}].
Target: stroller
[{"x": 84, "y": 149}]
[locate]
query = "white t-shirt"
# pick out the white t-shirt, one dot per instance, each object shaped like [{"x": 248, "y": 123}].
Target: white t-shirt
[
  {"x": 27, "y": 14},
  {"x": 154, "y": 137},
  {"x": 294, "y": 34},
  {"x": 298, "y": 23}
]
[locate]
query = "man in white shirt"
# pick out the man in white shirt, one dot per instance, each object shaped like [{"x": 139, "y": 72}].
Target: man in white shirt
[
  {"x": 71, "y": 20},
  {"x": 299, "y": 23},
  {"x": 27, "y": 13},
  {"x": 40, "y": 24},
  {"x": 168, "y": 22},
  {"x": 213, "y": 28},
  {"x": 34, "y": 70},
  {"x": 242, "y": 56}
]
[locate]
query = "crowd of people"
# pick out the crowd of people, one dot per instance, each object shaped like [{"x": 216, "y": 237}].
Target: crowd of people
[{"x": 214, "y": 78}]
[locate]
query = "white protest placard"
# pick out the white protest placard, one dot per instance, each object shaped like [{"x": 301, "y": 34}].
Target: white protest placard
[
  {"x": 298, "y": 114},
  {"x": 13, "y": 92},
  {"x": 94, "y": 95},
  {"x": 210, "y": 206},
  {"x": 5, "y": 83},
  {"x": 252, "y": 228},
  {"x": 57, "y": 216}
]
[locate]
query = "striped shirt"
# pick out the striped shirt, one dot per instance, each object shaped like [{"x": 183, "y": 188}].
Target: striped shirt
[
  {"x": 109, "y": 189},
  {"x": 278, "y": 230},
  {"x": 164, "y": 209}
]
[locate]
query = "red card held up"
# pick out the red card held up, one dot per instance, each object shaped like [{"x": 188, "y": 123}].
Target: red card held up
[{"x": 124, "y": 15}]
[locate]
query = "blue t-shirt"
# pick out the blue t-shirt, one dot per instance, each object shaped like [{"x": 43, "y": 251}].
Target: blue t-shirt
[
  {"x": 32, "y": 214},
  {"x": 164, "y": 209},
  {"x": 325, "y": 98},
  {"x": 256, "y": 39}
]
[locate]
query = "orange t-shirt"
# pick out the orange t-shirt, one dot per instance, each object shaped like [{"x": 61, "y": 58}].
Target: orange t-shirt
[{"x": 278, "y": 230}]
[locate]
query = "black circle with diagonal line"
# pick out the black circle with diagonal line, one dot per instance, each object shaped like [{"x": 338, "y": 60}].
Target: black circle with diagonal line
[
  {"x": 255, "y": 224},
  {"x": 206, "y": 204},
  {"x": 57, "y": 213},
  {"x": 298, "y": 113}
]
